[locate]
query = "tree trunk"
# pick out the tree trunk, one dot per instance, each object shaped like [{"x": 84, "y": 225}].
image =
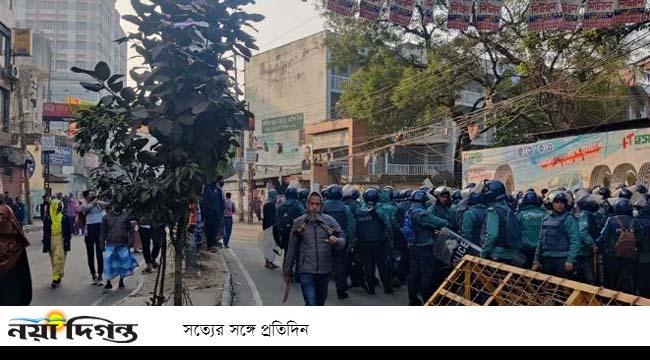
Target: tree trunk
[
  {"x": 179, "y": 248},
  {"x": 163, "y": 269}
]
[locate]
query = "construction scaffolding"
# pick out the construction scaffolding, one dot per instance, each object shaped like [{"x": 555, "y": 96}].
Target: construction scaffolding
[{"x": 481, "y": 282}]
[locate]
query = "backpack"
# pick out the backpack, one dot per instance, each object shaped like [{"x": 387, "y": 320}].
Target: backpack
[
  {"x": 626, "y": 246},
  {"x": 408, "y": 226},
  {"x": 286, "y": 216}
]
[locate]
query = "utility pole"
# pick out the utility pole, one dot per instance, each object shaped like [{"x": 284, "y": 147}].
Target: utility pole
[
  {"x": 23, "y": 146},
  {"x": 240, "y": 155},
  {"x": 251, "y": 188}
]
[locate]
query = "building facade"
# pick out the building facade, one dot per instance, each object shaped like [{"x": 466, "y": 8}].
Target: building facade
[{"x": 82, "y": 33}]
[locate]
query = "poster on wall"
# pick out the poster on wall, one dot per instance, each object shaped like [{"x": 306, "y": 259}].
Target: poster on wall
[
  {"x": 278, "y": 142},
  {"x": 343, "y": 7},
  {"x": 545, "y": 15},
  {"x": 630, "y": 12},
  {"x": 599, "y": 14},
  {"x": 571, "y": 14},
  {"x": 427, "y": 11}
]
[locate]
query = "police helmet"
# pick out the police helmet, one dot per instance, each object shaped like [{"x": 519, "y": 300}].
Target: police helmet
[
  {"x": 623, "y": 206},
  {"x": 371, "y": 195},
  {"x": 335, "y": 192}
]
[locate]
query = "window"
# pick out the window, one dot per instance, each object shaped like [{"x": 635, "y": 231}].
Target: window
[
  {"x": 62, "y": 25},
  {"x": 81, "y": 45},
  {"x": 31, "y": 4},
  {"x": 83, "y": 6},
  {"x": 46, "y": 5},
  {"x": 81, "y": 26},
  {"x": 48, "y": 25},
  {"x": 5, "y": 41},
  {"x": 61, "y": 65},
  {"x": 62, "y": 45},
  {"x": 62, "y": 5},
  {"x": 4, "y": 109}
]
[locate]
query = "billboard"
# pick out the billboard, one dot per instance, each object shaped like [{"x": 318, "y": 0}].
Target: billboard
[
  {"x": 588, "y": 160},
  {"x": 279, "y": 141}
]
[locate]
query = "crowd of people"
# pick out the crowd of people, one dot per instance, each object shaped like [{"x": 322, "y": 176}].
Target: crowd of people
[{"x": 597, "y": 236}]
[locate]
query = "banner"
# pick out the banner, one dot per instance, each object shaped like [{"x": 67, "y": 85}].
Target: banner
[
  {"x": 630, "y": 12},
  {"x": 545, "y": 15},
  {"x": 370, "y": 9},
  {"x": 488, "y": 14},
  {"x": 427, "y": 11},
  {"x": 571, "y": 14},
  {"x": 460, "y": 14},
  {"x": 343, "y": 7},
  {"x": 401, "y": 11},
  {"x": 278, "y": 142},
  {"x": 599, "y": 14}
]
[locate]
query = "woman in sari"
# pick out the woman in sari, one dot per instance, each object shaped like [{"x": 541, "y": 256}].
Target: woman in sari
[
  {"x": 15, "y": 277},
  {"x": 57, "y": 232}
]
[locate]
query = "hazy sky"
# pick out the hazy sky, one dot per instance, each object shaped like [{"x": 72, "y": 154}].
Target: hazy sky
[{"x": 286, "y": 21}]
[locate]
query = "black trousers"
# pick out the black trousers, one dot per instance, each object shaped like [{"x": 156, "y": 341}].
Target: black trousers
[
  {"x": 643, "y": 279},
  {"x": 554, "y": 267},
  {"x": 355, "y": 269},
  {"x": 151, "y": 236},
  {"x": 340, "y": 270},
  {"x": 93, "y": 250},
  {"x": 620, "y": 274},
  {"x": 585, "y": 270},
  {"x": 421, "y": 275},
  {"x": 373, "y": 256}
]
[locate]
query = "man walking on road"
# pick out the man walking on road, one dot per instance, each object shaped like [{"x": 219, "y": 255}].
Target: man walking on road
[
  {"x": 313, "y": 237},
  {"x": 229, "y": 210}
]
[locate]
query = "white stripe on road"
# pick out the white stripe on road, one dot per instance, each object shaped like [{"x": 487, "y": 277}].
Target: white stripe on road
[{"x": 249, "y": 280}]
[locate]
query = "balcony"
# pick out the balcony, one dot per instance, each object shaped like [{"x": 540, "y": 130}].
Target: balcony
[
  {"x": 407, "y": 170},
  {"x": 338, "y": 82}
]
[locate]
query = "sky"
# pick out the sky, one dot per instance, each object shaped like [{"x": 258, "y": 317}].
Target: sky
[{"x": 286, "y": 21}]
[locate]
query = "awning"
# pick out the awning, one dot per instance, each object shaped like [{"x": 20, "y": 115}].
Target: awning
[
  {"x": 13, "y": 157},
  {"x": 58, "y": 179}
]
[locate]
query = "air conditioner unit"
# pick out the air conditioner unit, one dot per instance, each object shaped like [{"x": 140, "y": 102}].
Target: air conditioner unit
[{"x": 12, "y": 72}]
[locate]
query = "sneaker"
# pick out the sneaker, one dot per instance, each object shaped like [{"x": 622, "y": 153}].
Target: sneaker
[
  {"x": 100, "y": 281},
  {"x": 94, "y": 283},
  {"x": 148, "y": 269},
  {"x": 155, "y": 265},
  {"x": 54, "y": 284}
]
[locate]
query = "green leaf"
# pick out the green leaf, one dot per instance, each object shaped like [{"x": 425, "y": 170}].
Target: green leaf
[
  {"x": 114, "y": 78},
  {"x": 107, "y": 100},
  {"x": 186, "y": 119},
  {"x": 164, "y": 126},
  {"x": 117, "y": 87},
  {"x": 132, "y": 19},
  {"x": 82, "y": 71},
  {"x": 255, "y": 17},
  {"x": 102, "y": 71},
  {"x": 128, "y": 94},
  {"x": 92, "y": 87}
]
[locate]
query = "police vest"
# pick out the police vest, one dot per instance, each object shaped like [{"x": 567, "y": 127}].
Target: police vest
[
  {"x": 478, "y": 219},
  {"x": 554, "y": 237},
  {"x": 336, "y": 209},
  {"x": 352, "y": 204},
  {"x": 423, "y": 234},
  {"x": 369, "y": 227}
]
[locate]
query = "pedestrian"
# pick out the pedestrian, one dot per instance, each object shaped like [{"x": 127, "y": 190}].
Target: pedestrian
[
  {"x": 57, "y": 234},
  {"x": 221, "y": 205},
  {"x": 373, "y": 242},
  {"x": 117, "y": 238},
  {"x": 531, "y": 217},
  {"x": 80, "y": 223},
  {"x": 620, "y": 247},
  {"x": 257, "y": 206},
  {"x": 560, "y": 241},
  {"x": 73, "y": 212},
  {"x": 442, "y": 207},
  {"x": 152, "y": 237},
  {"x": 269, "y": 237},
  {"x": 212, "y": 213},
  {"x": 336, "y": 208},
  {"x": 93, "y": 214},
  {"x": 313, "y": 237},
  {"x": 502, "y": 229},
  {"x": 286, "y": 215},
  {"x": 15, "y": 276},
  {"x": 424, "y": 226},
  {"x": 20, "y": 212},
  {"x": 229, "y": 210}
]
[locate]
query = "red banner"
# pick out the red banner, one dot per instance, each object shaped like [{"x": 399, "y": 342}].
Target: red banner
[
  {"x": 460, "y": 14},
  {"x": 488, "y": 14},
  {"x": 571, "y": 14},
  {"x": 401, "y": 11},
  {"x": 545, "y": 15},
  {"x": 343, "y": 7},
  {"x": 630, "y": 12},
  {"x": 370, "y": 9},
  {"x": 599, "y": 14},
  {"x": 427, "y": 11}
]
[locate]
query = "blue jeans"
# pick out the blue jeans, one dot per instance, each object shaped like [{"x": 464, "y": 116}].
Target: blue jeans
[
  {"x": 314, "y": 288},
  {"x": 228, "y": 225}
]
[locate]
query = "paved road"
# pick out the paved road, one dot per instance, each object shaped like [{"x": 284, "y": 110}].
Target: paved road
[
  {"x": 247, "y": 265},
  {"x": 76, "y": 288}
]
